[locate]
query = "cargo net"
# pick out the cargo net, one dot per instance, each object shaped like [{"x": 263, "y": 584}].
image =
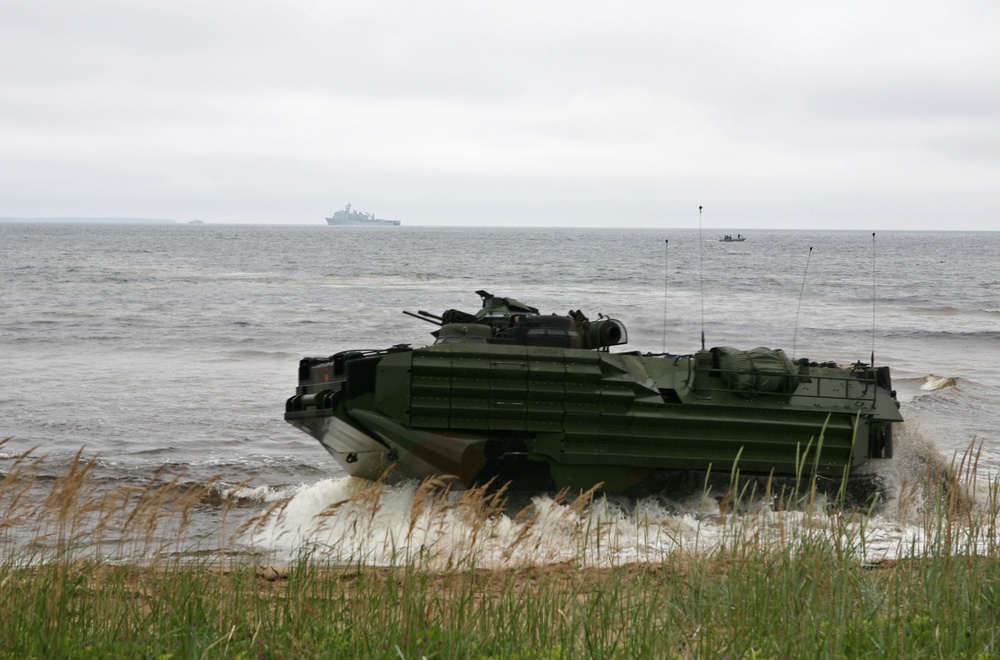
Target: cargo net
[{"x": 757, "y": 371}]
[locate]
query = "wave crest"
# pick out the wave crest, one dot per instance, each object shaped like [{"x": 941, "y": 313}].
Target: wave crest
[{"x": 932, "y": 383}]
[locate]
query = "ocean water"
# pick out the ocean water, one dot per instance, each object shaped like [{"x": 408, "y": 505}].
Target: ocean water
[{"x": 168, "y": 351}]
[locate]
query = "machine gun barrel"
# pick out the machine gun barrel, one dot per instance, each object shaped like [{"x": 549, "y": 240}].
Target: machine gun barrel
[{"x": 424, "y": 316}]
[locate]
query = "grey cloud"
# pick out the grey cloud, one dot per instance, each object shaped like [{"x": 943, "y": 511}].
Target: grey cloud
[{"x": 450, "y": 112}]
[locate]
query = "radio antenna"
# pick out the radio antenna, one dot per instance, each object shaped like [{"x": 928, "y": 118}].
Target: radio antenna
[
  {"x": 873, "y": 300},
  {"x": 666, "y": 282},
  {"x": 701, "y": 276},
  {"x": 795, "y": 334}
]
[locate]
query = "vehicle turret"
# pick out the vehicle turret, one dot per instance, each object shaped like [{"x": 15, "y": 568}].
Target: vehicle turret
[{"x": 506, "y": 321}]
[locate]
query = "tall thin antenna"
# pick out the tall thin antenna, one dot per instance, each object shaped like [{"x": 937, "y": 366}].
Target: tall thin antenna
[
  {"x": 666, "y": 281},
  {"x": 701, "y": 276},
  {"x": 795, "y": 334},
  {"x": 873, "y": 300}
]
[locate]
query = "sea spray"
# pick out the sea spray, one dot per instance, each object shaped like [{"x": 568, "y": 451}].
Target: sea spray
[
  {"x": 351, "y": 521},
  {"x": 381, "y": 525}
]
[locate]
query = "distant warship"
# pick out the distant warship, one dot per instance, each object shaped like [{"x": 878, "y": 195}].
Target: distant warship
[{"x": 346, "y": 216}]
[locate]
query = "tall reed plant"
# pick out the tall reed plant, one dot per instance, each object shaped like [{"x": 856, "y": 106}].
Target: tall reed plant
[{"x": 786, "y": 577}]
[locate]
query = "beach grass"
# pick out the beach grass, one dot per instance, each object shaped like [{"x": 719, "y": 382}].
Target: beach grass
[{"x": 100, "y": 577}]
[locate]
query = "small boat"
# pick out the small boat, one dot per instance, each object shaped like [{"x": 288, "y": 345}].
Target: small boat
[{"x": 729, "y": 238}]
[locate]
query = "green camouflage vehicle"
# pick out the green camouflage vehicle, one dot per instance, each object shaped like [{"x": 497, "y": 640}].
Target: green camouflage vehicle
[{"x": 511, "y": 395}]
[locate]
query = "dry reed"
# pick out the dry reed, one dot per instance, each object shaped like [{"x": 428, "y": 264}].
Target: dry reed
[{"x": 92, "y": 570}]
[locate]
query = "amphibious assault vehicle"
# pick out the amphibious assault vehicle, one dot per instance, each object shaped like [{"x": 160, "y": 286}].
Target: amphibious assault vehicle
[{"x": 512, "y": 395}]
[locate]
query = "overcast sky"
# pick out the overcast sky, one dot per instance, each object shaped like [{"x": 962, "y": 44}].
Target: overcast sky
[{"x": 868, "y": 115}]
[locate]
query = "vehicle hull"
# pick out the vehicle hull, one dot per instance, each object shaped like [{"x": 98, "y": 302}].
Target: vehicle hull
[{"x": 552, "y": 417}]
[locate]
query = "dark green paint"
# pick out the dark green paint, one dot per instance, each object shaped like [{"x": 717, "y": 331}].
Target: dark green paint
[{"x": 513, "y": 394}]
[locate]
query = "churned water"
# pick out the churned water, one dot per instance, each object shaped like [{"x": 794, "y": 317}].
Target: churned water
[{"x": 170, "y": 350}]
